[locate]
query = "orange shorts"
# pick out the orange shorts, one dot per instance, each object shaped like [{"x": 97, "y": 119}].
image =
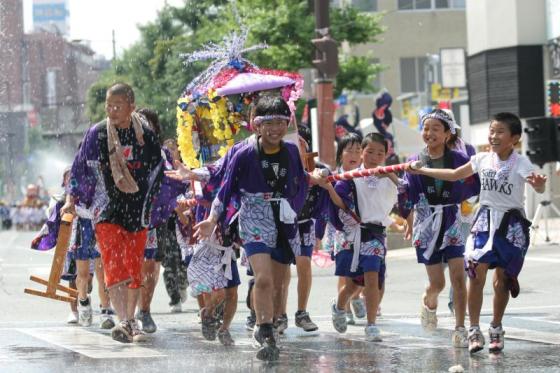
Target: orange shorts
[{"x": 122, "y": 253}]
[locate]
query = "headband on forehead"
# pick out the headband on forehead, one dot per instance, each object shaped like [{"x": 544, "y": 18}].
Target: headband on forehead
[
  {"x": 263, "y": 118},
  {"x": 442, "y": 116}
]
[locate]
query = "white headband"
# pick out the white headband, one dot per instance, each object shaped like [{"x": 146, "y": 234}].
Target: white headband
[
  {"x": 442, "y": 116},
  {"x": 264, "y": 118}
]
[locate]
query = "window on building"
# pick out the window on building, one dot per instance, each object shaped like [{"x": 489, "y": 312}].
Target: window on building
[
  {"x": 430, "y": 4},
  {"x": 413, "y": 75},
  {"x": 364, "y": 5}
]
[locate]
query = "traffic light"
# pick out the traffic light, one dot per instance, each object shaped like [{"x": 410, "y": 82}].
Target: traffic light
[
  {"x": 327, "y": 61},
  {"x": 553, "y": 98}
]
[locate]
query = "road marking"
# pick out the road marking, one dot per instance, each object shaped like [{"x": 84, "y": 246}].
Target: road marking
[
  {"x": 544, "y": 259},
  {"x": 90, "y": 344},
  {"x": 511, "y": 332}
]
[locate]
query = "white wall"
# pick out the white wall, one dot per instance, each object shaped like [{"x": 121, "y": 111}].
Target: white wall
[{"x": 493, "y": 24}]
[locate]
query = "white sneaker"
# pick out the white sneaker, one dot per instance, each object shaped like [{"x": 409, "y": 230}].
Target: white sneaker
[
  {"x": 372, "y": 333},
  {"x": 176, "y": 308},
  {"x": 137, "y": 334},
  {"x": 428, "y": 317},
  {"x": 338, "y": 318},
  {"x": 460, "y": 337},
  {"x": 106, "y": 319},
  {"x": 72, "y": 318},
  {"x": 85, "y": 314},
  {"x": 359, "y": 307}
]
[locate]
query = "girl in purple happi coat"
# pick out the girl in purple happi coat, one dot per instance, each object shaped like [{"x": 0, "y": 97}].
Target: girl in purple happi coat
[{"x": 431, "y": 208}]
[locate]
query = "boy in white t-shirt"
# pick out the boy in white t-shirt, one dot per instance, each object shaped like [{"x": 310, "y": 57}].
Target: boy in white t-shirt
[{"x": 500, "y": 233}]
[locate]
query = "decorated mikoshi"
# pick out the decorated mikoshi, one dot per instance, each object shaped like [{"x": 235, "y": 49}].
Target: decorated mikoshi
[{"x": 213, "y": 111}]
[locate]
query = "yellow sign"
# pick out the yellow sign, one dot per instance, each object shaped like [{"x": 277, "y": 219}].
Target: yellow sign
[{"x": 443, "y": 94}]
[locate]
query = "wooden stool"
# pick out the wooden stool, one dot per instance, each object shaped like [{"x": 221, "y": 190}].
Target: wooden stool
[{"x": 61, "y": 248}]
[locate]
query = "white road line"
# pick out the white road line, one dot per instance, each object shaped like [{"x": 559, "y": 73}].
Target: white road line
[
  {"x": 90, "y": 344},
  {"x": 543, "y": 259},
  {"x": 511, "y": 332}
]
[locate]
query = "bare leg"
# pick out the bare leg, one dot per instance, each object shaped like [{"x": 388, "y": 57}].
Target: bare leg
[
  {"x": 457, "y": 276},
  {"x": 501, "y": 296},
  {"x": 280, "y": 272},
  {"x": 103, "y": 294},
  {"x": 303, "y": 266},
  {"x": 263, "y": 303},
  {"x": 435, "y": 286},
  {"x": 371, "y": 293},
  {"x": 150, "y": 275},
  {"x": 230, "y": 307},
  {"x": 131, "y": 303},
  {"x": 119, "y": 298},
  {"x": 475, "y": 296},
  {"x": 82, "y": 278},
  {"x": 346, "y": 292}
]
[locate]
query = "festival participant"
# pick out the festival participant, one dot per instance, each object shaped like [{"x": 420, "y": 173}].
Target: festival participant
[
  {"x": 500, "y": 233},
  {"x": 82, "y": 260},
  {"x": 269, "y": 177},
  {"x": 348, "y": 157},
  {"x": 312, "y": 221},
  {"x": 114, "y": 175},
  {"x": 431, "y": 208},
  {"x": 365, "y": 204}
]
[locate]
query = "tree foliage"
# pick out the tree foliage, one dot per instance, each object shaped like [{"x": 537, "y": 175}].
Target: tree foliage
[{"x": 154, "y": 68}]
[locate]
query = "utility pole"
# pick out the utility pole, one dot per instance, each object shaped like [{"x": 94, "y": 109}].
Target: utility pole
[
  {"x": 114, "y": 47},
  {"x": 326, "y": 62}
]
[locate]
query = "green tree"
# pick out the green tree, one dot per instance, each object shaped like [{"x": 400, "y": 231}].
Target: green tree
[{"x": 155, "y": 69}]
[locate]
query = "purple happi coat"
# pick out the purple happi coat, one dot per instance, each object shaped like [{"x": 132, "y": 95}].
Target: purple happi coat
[
  {"x": 245, "y": 178},
  {"x": 88, "y": 188},
  {"x": 436, "y": 217}
]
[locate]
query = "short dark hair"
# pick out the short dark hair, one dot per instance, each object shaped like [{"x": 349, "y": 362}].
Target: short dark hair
[
  {"x": 347, "y": 140},
  {"x": 153, "y": 120},
  {"x": 122, "y": 89},
  {"x": 375, "y": 137},
  {"x": 511, "y": 120},
  {"x": 272, "y": 105}
]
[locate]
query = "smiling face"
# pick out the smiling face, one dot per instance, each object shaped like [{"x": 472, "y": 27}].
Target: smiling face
[
  {"x": 118, "y": 110},
  {"x": 373, "y": 154},
  {"x": 351, "y": 156},
  {"x": 434, "y": 134},
  {"x": 500, "y": 139},
  {"x": 273, "y": 131}
]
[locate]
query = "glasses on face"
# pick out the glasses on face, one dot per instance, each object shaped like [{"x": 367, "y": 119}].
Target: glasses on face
[
  {"x": 274, "y": 123},
  {"x": 113, "y": 108}
]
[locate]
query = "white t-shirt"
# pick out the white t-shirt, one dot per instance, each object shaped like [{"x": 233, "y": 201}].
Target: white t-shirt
[
  {"x": 376, "y": 201},
  {"x": 501, "y": 193}
]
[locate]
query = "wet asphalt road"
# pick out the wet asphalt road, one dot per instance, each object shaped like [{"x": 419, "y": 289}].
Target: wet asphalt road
[{"x": 35, "y": 338}]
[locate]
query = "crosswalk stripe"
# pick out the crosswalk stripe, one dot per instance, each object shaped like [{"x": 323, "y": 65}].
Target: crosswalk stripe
[{"x": 91, "y": 344}]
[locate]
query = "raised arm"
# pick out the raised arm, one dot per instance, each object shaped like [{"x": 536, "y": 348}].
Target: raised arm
[{"x": 447, "y": 174}]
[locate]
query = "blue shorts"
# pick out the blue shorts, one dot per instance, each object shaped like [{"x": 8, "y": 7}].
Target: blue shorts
[
  {"x": 306, "y": 251},
  {"x": 367, "y": 263},
  {"x": 235, "y": 279},
  {"x": 276, "y": 254},
  {"x": 503, "y": 254},
  {"x": 150, "y": 254},
  {"x": 441, "y": 256},
  {"x": 85, "y": 248}
]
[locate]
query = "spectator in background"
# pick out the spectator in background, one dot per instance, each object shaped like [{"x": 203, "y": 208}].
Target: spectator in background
[{"x": 382, "y": 116}]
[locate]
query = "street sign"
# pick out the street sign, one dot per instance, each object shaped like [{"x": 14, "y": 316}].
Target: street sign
[{"x": 453, "y": 73}]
